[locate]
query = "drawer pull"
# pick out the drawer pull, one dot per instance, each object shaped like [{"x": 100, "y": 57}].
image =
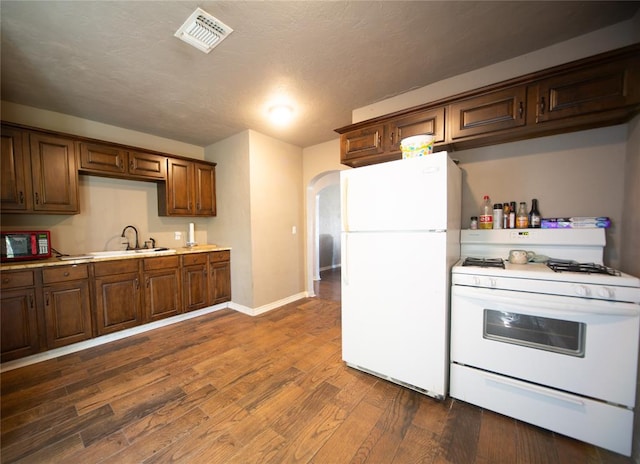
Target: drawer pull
[
  {"x": 6, "y": 280},
  {"x": 66, "y": 273}
]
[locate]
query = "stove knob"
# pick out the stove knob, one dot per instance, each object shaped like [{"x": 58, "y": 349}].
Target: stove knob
[
  {"x": 605, "y": 292},
  {"x": 582, "y": 290}
]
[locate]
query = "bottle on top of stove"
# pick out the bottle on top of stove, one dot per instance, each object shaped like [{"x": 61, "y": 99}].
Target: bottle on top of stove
[
  {"x": 522, "y": 218},
  {"x": 512, "y": 215},
  {"x": 486, "y": 213},
  {"x": 497, "y": 216},
  {"x": 505, "y": 215},
  {"x": 534, "y": 215}
]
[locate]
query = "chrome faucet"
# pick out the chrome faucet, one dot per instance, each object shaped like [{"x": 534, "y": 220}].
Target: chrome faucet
[{"x": 137, "y": 246}]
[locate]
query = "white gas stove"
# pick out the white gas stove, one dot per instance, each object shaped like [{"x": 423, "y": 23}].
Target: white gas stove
[{"x": 543, "y": 345}]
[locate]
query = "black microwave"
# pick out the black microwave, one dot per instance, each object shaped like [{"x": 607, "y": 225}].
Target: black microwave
[{"x": 25, "y": 245}]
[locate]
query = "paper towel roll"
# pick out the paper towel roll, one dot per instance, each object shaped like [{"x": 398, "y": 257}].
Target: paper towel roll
[{"x": 192, "y": 233}]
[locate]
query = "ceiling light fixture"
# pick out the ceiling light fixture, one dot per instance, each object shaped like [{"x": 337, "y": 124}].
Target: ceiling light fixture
[{"x": 281, "y": 115}]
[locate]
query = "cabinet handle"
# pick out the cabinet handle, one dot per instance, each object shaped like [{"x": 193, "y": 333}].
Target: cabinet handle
[
  {"x": 379, "y": 140},
  {"x": 521, "y": 110},
  {"x": 6, "y": 280},
  {"x": 391, "y": 138},
  {"x": 37, "y": 198},
  {"x": 542, "y": 105},
  {"x": 137, "y": 284},
  {"x": 148, "y": 282},
  {"x": 46, "y": 299},
  {"x": 66, "y": 274},
  {"x": 21, "y": 196},
  {"x": 31, "y": 301},
  {"x": 131, "y": 165}
]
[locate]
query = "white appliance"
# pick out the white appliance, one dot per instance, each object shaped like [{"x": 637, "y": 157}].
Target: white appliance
[
  {"x": 400, "y": 238},
  {"x": 557, "y": 349}
]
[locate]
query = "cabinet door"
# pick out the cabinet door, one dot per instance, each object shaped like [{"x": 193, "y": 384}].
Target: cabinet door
[
  {"x": 147, "y": 165},
  {"x": 100, "y": 158},
  {"x": 15, "y": 186},
  {"x": 430, "y": 122},
  {"x": 118, "y": 302},
  {"x": 162, "y": 293},
  {"x": 179, "y": 188},
  {"x": 18, "y": 323},
  {"x": 588, "y": 91},
  {"x": 220, "y": 281},
  {"x": 488, "y": 113},
  {"x": 205, "y": 189},
  {"x": 54, "y": 174},
  {"x": 364, "y": 142},
  {"x": 67, "y": 313}
]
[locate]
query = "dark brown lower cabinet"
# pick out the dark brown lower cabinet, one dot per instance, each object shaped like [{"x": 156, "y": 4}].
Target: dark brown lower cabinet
[
  {"x": 18, "y": 315},
  {"x": 162, "y": 292},
  {"x": 220, "y": 276},
  {"x": 118, "y": 296},
  {"x": 195, "y": 281},
  {"x": 67, "y": 307}
]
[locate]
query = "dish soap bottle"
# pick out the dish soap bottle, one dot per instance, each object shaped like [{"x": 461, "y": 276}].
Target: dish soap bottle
[
  {"x": 534, "y": 215},
  {"x": 522, "y": 218},
  {"x": 486, "y": 213}
]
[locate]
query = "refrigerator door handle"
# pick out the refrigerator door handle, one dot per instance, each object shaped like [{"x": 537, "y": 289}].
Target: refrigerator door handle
[{"x": 345, "y": 212}]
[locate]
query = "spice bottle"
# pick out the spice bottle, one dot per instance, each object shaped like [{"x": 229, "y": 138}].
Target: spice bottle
[
  {"x": 505, "y": 215},
  {"x": 522, "y": 218},
  {"x": 474, "y": 223},
  {"x": 512, "y": 215},
  {"x": 486, "y": 213},
  {"x": 497, "y": 216},
  {"x": 534, "y": 214}
]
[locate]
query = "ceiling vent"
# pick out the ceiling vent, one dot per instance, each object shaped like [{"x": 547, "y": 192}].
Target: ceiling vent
[{"x": 203, "y": 31}]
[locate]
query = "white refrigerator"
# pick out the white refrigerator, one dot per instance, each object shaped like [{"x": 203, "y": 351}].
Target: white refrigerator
[{"x": 400, "y": 238}]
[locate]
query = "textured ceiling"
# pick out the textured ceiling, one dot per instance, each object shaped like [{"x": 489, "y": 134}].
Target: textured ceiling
[{"x": 119, "y": 62}]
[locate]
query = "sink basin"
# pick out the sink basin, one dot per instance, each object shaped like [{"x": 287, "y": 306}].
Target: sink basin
[{"x": 144, "y": 251}]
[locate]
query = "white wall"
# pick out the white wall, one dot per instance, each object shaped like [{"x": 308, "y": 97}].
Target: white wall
[
  {"x": 259, "y": 202},
  {"x": 276, "y": 208},
  {"x": 232, "y": 225}
]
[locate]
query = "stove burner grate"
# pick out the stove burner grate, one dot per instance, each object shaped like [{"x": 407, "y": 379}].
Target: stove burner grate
[
  {"x": 484, "y": 262},
  {"x": 560, "y": 265}
]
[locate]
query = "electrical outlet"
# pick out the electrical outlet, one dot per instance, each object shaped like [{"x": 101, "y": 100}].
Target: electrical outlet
[
  {"x": 294, "y": 230},
  {"x": 177, "y": 235}
]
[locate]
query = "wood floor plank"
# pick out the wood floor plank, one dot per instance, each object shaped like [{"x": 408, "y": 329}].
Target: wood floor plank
[{"x": 497, "y": 440}]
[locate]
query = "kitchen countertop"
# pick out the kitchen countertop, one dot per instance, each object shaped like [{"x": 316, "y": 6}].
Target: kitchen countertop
[{"x": 82, "y": 259}]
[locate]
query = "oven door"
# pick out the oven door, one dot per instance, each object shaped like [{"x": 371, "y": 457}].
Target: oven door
[{"x": 589, "y": 347}]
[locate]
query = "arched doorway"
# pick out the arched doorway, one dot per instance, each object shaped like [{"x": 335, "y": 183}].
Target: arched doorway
[{"x": 323, "y": 225}]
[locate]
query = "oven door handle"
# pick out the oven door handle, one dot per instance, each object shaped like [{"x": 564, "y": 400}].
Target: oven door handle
[{"x": 559, "y": 304}]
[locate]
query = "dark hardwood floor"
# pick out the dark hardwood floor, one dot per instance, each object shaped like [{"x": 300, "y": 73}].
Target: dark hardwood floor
[{"x": 230, "y": 388}]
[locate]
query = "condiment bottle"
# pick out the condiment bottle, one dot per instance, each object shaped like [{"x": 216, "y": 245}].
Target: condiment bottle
[
  {"x": 505, "y": 216},
  {"x": 497, "y": 216},
  {"x": 512, "y": 215},
  {"x": 534, "y": 215},
  {"x": 486, "y": 214},
  {"x": 474, "y": 223},
  {"x": 522, "y": 218}
]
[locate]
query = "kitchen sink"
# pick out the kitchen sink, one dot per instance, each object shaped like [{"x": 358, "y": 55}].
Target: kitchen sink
[{"x": 143, "y": 251}]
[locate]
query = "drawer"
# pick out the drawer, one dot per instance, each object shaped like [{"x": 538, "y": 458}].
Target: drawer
[
  {"x": 116, "y": 267},
  {"x": 194, "y": 258},
  {"x": 164, "y": 262},
  {"x": 17, "y": 279},
  {"x": 220, "y": 256},
  {"x": 65, "y": 273}
]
